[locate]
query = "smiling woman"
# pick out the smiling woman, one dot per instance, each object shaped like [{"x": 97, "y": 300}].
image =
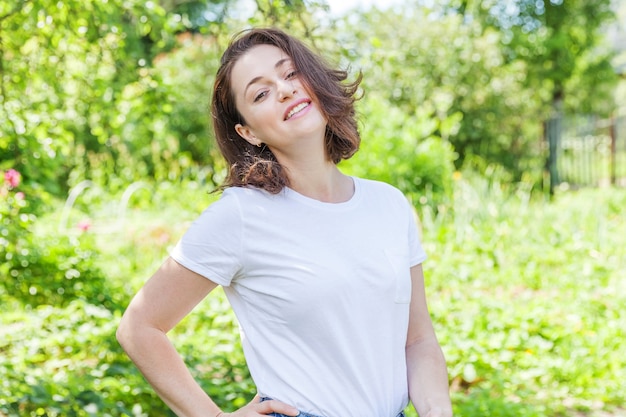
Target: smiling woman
[
  {"x": 322, "y": 270},
  {"x": 274, "y": 64},
  {"x": 276, "y": 109}
]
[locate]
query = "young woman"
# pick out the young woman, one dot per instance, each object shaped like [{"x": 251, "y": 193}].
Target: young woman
[{"x": 322, "y": 270}]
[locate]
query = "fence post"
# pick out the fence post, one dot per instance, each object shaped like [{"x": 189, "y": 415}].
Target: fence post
[{"x": 553, "y": 136}]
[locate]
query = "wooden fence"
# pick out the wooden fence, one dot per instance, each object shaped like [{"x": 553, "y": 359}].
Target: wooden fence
[{"x": 586, "y": 151}]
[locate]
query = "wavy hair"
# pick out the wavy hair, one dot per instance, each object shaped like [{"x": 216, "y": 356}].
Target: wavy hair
[{"x": 257, "y": 166}]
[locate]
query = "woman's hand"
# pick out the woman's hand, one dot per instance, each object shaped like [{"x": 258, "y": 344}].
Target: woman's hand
[{"x": 256, "y": 408}]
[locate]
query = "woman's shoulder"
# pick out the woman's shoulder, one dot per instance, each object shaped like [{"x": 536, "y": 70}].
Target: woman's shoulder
[
  {"x": 232, "y": 204},
  {"x": 248, "y": 196},
  {"x": 380, "y": 188},
  {"x": 247, "y": 193}
]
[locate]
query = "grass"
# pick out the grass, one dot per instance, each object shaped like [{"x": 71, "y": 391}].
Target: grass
[{"x": 528, "y": 296}]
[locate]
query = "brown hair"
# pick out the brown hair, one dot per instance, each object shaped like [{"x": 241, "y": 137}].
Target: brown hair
[{"x": 257, "y": 166}]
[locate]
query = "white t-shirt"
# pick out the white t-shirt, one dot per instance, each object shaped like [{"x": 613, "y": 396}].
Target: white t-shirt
[{"x": 321, "y": 292}]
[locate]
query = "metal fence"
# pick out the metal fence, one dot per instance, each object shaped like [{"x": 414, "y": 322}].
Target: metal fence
[{"x": 586, "y": 151}]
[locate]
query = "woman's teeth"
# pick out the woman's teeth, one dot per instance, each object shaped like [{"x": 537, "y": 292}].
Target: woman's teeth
[{"x": 296, "y": 109}]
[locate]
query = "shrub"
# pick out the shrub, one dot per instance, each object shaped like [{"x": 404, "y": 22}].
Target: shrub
[
  {"x": 43, "y": 269},
  {"x": 405, "y": 151},
  {"x": 66, "y": 362},
  {"x": 59, "y": 362}
]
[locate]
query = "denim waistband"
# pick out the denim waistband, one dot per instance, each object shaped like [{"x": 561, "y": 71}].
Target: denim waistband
[{"x": 303, "y": 414}]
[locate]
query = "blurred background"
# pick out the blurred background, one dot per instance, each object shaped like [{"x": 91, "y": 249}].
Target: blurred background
[{"x": 503, "y": 121}]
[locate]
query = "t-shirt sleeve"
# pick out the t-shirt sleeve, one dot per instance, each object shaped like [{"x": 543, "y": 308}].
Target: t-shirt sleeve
[
  {"x": 416, "y": 251},
  {"x": 211, "y": 246}
]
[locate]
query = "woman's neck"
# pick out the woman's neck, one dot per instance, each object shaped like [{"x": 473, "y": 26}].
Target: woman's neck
[
  {"x": 311, "y": 173},
  {"x": 323, "y": 182}
]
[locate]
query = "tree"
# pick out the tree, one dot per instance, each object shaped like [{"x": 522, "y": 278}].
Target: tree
[
  {"x": 426, "y": 62},
  {"x": 503, "y": 65},
  {"x": 69, "y": 71},
  {"x": 560, "y": 42}
]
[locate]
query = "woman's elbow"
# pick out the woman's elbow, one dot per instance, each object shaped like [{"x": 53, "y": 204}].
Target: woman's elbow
[{"x": 124, "y": 333}]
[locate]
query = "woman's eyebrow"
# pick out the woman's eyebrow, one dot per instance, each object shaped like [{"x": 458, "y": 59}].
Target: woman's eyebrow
[{"x": 277, "y": 65}]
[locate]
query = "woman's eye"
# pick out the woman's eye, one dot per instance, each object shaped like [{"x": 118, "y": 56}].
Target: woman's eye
[
  {"x": 292, "y": 74},
  {"x": 260, "y": 96}
]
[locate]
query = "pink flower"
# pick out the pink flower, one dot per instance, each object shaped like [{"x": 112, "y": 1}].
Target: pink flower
[
  {"x": 12, "y": 177},
  {"x": 84, "y": 225},
  {"x": 19, "y": 195},
  {"x": 163, "y": 238}
]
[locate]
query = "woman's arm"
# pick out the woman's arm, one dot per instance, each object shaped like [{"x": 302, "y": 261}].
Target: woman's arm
[
  {"x": 426, "y": 365},
  {"x": 168, "y": 296}
]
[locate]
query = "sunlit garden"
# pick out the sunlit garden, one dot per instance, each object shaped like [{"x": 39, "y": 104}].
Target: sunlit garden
[{"x": 107, "y": 155}]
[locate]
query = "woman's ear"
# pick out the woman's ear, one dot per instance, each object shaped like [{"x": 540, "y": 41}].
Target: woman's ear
[{"x": 247, "y": 134}]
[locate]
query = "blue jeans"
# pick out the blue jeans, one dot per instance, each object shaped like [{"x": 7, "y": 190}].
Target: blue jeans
[{"x": 306, "y": 414}]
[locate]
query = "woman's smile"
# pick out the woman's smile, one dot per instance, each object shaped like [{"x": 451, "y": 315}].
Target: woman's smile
[
  {"x": 297, "y": 108},
  {"x": 269, "y": 91}
]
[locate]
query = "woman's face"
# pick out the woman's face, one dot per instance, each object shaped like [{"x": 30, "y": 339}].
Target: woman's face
[{"x": 277, "y": 108}]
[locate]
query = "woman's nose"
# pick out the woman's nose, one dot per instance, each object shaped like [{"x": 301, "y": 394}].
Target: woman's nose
[{"x": 286, "y": 89}]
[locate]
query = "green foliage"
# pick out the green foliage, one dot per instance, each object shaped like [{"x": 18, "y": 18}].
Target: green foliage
[
  {"x": 502, "y": 65},
  {"x": 524, "y": 292},
  {"x": 405, "y": 152},
  {"x": 526, "y": 295},
  {"x": 117, "y": 91},
  {"x": 53, "y": 271},
  {"x": 40, "y": 271},
  {"x": 66, "y": 362},
  {"x": 561, "y": 45},
  {"x": 76, "y": 89},
  {"x": 296, "y": 16},
  {"x": 448, "y": 67},
  {"x": 43, "y": 270},
  {"x": 188, "y": 74},
  {"x": 62, "y": 359}
]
